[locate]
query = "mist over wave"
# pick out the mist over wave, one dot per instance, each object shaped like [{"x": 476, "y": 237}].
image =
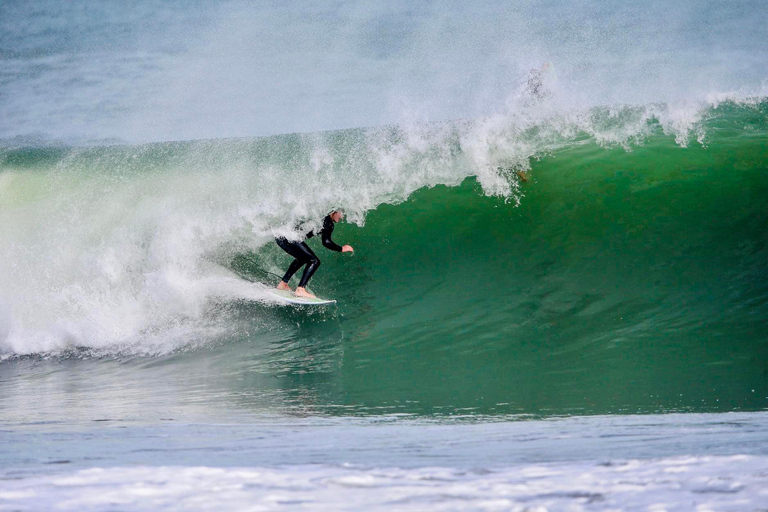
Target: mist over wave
[{"x": 193, "y": 70}]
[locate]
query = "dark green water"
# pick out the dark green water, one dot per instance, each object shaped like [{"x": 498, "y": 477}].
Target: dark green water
[{"x": 623, "y": 283}]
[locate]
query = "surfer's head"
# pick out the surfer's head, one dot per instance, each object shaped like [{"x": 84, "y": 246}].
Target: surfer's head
[{"x": 336, "y": 215}]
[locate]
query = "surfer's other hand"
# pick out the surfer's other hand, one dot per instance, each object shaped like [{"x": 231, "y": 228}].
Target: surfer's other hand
[{"x": 347, "y": 248}]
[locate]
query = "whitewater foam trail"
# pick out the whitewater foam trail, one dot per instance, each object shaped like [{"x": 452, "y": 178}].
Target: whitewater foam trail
[{"x": 672, "y": 484}]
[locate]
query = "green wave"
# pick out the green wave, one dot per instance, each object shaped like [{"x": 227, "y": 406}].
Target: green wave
[
  {"x": 626, "y": 274},
  {"x": 623, "y": 282}
]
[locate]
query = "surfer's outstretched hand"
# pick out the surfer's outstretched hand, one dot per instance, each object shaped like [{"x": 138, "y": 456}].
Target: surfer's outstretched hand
[{"x": 347, "y": 248}]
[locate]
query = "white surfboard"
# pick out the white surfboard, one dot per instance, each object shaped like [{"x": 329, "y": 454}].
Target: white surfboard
[{"x": 289, "y": 297}]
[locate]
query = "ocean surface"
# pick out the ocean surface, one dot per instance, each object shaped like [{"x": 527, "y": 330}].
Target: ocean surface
[{"x": 558, "y": 297}]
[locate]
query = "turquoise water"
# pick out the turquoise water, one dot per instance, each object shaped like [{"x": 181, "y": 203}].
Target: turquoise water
[{"x": 555, "y": 287}]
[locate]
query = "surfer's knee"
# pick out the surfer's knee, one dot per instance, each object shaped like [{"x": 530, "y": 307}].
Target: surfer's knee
[{"x": 314, "y": 261}]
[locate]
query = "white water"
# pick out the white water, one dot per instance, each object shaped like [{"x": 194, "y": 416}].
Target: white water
[{"x": 702, "y": 484}]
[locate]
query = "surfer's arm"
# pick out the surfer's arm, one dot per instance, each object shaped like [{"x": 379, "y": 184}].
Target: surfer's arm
[
  {"x": 325, "y": 236},
  {"x": 330, "y": 244}
]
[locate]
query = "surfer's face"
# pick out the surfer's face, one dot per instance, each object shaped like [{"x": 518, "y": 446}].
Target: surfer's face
[{"x": 337, "y": 216}]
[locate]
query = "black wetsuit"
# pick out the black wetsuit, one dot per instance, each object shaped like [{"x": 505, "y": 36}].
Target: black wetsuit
[{"x": 304, "y": 255}]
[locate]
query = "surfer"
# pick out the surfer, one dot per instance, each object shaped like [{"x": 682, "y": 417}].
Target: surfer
[{"x": 304, "y": 256}]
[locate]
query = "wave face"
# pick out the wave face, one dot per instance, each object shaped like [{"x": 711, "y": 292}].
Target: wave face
[{"x": 627, "y": 273}]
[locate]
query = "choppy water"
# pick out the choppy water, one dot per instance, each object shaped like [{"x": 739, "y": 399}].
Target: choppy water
[
  {"x": 495, "y": 337},
  {"x": 385, "y": 462}
]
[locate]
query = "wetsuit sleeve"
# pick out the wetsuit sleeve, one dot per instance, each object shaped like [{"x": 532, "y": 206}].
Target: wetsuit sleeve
[{"x": 325, "y": 235}]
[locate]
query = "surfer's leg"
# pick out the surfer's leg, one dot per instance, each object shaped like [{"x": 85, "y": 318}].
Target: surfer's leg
[
  {"x": 312, "y": 263},
  {"x": 292, "y": 269},
  {"x": 295, "y": 250},
  {"x": 303, "y": 255}
]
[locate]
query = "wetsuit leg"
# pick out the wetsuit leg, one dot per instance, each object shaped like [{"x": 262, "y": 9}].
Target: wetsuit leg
[
  {"x": 292, "y": 269},
  {"x": 312, "y": 265},
  {"x": 303, "y": 255}
]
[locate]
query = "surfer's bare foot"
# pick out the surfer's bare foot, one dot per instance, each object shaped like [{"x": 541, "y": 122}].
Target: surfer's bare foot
[
  {"x": 282, "y": 285},
  {"x": 302, "y": 292}
]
